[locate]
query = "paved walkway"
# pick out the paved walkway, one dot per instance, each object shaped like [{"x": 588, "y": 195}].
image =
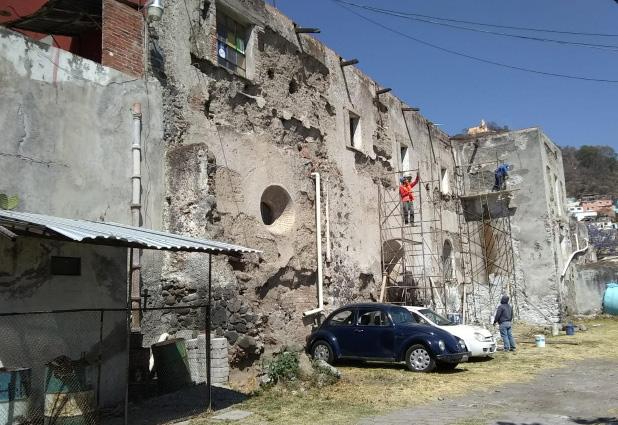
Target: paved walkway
[{"x": 583, "y": 393}]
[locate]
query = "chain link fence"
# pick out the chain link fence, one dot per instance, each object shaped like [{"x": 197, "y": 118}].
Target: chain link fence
[{"x": 85, "y": 367}]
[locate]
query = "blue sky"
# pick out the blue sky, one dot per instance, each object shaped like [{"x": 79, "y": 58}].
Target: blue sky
[{"x": 458, "y": 92}]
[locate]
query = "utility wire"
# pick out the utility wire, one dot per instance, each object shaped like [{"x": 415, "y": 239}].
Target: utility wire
[
  {"x": 501, "y": 34},
  {"x": 475, "y": 58},
  {"x": 510, "y": 27}
]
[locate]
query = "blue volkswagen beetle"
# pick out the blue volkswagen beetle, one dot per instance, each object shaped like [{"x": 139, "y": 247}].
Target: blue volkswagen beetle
[{"x": 385, "y": 332}]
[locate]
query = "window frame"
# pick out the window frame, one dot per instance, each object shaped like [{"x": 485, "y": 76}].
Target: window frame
[
  {"x": 340, "y": 324},
  {"x": 363, "y": 311},
  {"x": 226, "y": 21}
]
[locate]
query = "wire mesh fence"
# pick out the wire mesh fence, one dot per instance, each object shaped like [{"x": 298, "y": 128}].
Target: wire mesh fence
[{"x": 85, "y": 367}]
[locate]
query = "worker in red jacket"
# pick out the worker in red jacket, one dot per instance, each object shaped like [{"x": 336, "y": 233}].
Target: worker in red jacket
[{"x": 406, "y": 194}]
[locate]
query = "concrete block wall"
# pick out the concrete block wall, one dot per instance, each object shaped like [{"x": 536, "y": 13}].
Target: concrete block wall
[
  {"x": 219, "y": 365},
  {"x": 123, "y": 38}
]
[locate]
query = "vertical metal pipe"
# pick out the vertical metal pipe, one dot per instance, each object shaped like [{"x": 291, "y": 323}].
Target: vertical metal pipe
[
  {"x": 208, "y": 324},
  {"x": 318, "y": 242},
  {"x": 100, "y": 359},
  {"x": 318, "y": 236},
  {"x": 128, "y": 345},
  {"x": 136, "y": 209},
  {"x": 327, "y": 222}
]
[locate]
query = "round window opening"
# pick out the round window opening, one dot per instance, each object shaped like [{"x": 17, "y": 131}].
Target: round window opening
[{"x": 276, "y": 208}]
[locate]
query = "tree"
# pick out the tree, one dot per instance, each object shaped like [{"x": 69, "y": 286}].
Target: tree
[{"x": 590, "y": 170}]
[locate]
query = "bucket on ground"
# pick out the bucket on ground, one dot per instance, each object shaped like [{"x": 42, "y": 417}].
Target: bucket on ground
[
  {"x": 570, "y": 329},
  {"x": 539, "y": 340},
  {"x": 68, "y": 398},
  {"x": 15, "y": 384},
  {"x": 555, "y": 329},
  {"x": 610, "y": 299},
  {"x": 172, "y": 364}
]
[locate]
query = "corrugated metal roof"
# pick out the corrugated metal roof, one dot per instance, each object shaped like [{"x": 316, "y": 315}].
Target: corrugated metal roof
[{"x": 115, "y": 234}]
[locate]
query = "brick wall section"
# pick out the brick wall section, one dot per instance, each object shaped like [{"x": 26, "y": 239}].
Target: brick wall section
[{"x": 123, "y": 38}]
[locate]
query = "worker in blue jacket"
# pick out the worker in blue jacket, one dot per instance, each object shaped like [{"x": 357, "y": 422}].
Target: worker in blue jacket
[{"x": 501, "y": 174}]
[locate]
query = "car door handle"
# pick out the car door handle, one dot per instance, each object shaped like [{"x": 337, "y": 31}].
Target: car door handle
[{"x": 359, "y": 330}]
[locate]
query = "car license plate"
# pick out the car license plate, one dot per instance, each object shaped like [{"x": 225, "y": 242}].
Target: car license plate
[{"x": 464, "y": 359}]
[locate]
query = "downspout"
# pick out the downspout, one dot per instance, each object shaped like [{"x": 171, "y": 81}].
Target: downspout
[
  {"x": 327, "y": 222},
  {"x": 318, "y": 242},
  {"x": 566, "y": 266},
  {"x": 136, "y": 209}
]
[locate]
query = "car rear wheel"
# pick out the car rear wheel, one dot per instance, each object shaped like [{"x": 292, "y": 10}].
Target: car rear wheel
[
  {"x": 321, "y": 350},
  {"x": 418, "y": 359}
]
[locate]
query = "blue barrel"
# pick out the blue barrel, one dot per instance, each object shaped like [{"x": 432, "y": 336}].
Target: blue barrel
[
  {"x": 570, "y": 329},
  {"x": 14, "y": 395},
  {"x": 610, "y": 300}
]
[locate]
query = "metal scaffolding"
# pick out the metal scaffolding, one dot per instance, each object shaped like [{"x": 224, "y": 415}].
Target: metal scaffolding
[
  {"x": 414, "y": 271},
  {"x": 484, "y": 219}
]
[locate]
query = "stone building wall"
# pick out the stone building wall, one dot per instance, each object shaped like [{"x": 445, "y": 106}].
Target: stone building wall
[
  {"x": 241, "y": 150},
  {"x": 538, "y": 219}
]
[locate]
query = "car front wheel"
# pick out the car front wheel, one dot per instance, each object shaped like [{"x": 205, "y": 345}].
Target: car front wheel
[
  {"x": 418, "y": 359},
  {"x": 321, "y": 350}
]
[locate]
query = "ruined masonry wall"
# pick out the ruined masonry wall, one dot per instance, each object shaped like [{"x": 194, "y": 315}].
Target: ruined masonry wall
[
  {"x": 237, "y": 145},
  {"x": 540, "y": 231}
]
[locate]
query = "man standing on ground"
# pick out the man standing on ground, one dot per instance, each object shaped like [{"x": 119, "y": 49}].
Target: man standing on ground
[
  {"x": 504, "y": 318},
  {"x": 407, "y": 197}
]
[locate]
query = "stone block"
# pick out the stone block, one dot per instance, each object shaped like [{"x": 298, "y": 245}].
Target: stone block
[
  {"x": 218, "y": 363},
  {"x": 218, "y": 343}
]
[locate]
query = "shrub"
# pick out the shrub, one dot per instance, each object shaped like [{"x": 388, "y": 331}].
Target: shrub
[{"x": 284, "y": 367}]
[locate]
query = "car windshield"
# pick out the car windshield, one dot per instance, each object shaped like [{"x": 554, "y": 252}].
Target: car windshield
[
  {"x": 401, "y": 315},
  {"x": 435, "y": 317}
]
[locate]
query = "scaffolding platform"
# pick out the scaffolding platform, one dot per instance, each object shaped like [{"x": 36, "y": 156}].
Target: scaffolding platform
[
  {"x": 412, "y": 266},
  {"x": 508, "y": 193}
]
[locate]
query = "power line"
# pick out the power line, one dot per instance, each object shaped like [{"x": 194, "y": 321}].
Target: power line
[
  {"x": 501, "y": 34},
  {"x": 517, "y": 28},
  {"x": 475, "y": 58}
]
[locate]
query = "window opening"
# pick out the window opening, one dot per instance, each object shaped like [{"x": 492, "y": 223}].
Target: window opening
[
  {"x": 447, "y": 260},
  {"x": 66, "y": 266},
  {"x": 231, "y": 44},
  {"x": 373, "y": 318},
  {"x": 444, "y": 186},
  {"x": 404, "y": 157},
  {"x": 355, "y": 131},
  {"x": 276, "y": 208},
  {"x": 342, "y": 318}
]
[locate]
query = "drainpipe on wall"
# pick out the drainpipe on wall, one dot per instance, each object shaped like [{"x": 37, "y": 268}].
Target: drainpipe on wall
[
  {"x": 136, "y": 210},
  {"x": 568, "y": 263},
  {"x": 327, "y": 220},
  {"x": 318, "y": 242}
]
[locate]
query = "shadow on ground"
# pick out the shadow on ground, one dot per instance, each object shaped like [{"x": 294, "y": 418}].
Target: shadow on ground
[
  {"x": 361, "y": 364},
  {"x": 480, "y": 359},
  {"x": 596, "y": 421},
  {"x": 181, "y": 405},
  {"x": 580, "y": 421}
]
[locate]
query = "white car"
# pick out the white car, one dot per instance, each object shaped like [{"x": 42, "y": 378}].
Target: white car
[{"x": 480, "y": 341}]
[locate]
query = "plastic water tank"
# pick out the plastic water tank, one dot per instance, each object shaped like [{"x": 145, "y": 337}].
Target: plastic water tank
[{"x": 610, "y": 300}]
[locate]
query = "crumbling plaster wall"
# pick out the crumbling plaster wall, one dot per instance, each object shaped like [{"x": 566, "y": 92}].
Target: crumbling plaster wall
[
  {"x": 67, "y": 135},
  {"x": 27, "y": 285},
  {"x": 229, "y": 138},
  {"x": 541, "y": 236}
]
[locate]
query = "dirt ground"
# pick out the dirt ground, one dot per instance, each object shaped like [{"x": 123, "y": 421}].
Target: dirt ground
[
  {"x": 581, "y": 392},
  {"x": 573, "y": 380}
]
